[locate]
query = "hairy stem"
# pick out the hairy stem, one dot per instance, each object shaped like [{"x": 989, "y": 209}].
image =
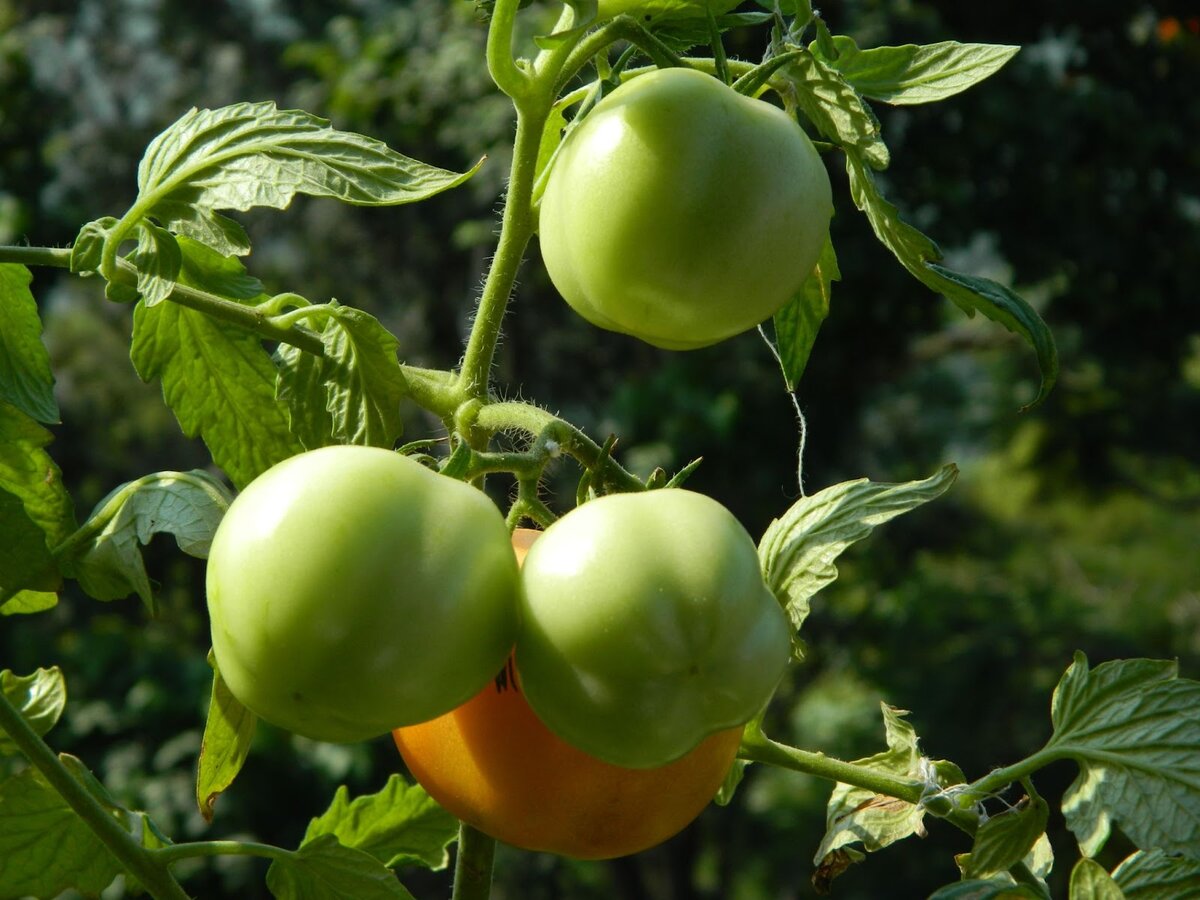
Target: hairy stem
[
  {"x": 136, "y": 859},
  {"x": 473, "y": 864}
]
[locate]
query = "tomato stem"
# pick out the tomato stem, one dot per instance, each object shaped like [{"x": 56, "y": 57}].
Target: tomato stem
[{"x": 473, "y": 864}]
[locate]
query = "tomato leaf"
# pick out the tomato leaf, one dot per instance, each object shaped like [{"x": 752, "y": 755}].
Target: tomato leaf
[
  {"x": 1153, "y": 875},
  {"x": 45, "y": 848},
  {"x": 986, "y": 889},
  {"x": 25, "y": 377},
  {"x": 323, "y": 869},
  {"x": 860, "y": 816},
  {"x": 797, "y": 324},
  {"x": 1005, "y": 840},
  {"x": 228, "y": 732},
  {"x": 352, "y": 394},
  {"x": 400, "y": 823},
  {"x": 911, "y": 74},
  {"x": 188, "y": 505},
  {"x": 38, "y": 513},
  {"x": 1091, "y": 881},
  {"x": 798, "y": 550},
  {"x": 158, "y": 259},
  {"x": 836, "y": 109},
  {"x": 1133, "y": 726},
  {"x": 253, "y": 154},
  {"x": 40, "y": 698},
  {"x": 217, "y": 378}
]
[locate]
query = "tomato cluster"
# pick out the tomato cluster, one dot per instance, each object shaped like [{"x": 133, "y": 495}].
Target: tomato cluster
[{"x": 352, "y": 591}]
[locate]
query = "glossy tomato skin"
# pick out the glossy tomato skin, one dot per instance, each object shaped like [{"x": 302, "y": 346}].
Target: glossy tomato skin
[
  {"x": 492, "y": 763},
  {"x": 683, "y": 213},
  {"x": 645, "y": 626},
  {"x": 352, "y": 590}
]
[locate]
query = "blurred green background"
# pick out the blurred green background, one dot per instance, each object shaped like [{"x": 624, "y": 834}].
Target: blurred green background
[{"x": 1073, "y": 174}]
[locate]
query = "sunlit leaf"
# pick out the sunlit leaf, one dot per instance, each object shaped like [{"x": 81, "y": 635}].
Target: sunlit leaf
[
  {"x": 25, "y": 377},
  {"x": 323, "y": 869},
  {"x": 228, "y": 732},
  {"x": 40, "y": 698}
]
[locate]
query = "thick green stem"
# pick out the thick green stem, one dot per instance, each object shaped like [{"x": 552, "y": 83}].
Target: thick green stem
[
  {"x": 473, "y": 864},
  {"x": 509, "y": 77},
  {"x": 175, "y": 852},
  {"x": 136, "y": 859}
]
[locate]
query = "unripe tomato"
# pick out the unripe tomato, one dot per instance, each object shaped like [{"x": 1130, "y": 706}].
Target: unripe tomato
[
  {"x": 683, "y": 213},
  {"x": 645, "y": 626},
  {"x": 352, "y": 590},
  {"x": 492, "y": 763}
]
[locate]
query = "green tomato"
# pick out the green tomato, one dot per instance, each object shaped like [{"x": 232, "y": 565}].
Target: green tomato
[
  {"x": 645, "y": 626},
  {"x": 352, "y": 590},
  {"x": 683, "y": 213}
]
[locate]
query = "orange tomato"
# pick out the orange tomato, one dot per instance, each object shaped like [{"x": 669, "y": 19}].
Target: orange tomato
[{"x": 492, "y": 763}]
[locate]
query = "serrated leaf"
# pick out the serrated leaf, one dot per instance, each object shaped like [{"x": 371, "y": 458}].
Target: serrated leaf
[
  {"x": 89, "y": 246},
  {"x": 1154, "y": 875},
  {"x": 220, "y": 383},
  {"x": 797, "y": 551},
  {"x": 1006, "y": 839},
  {"x": 920, "y": 256},
  {"x": 351, "y": 394},
  {"x": 228, "y": 733},
  {"x": 188, "y": 505},
  {"x": 40, "y": 698},
  {"x": 399, "y": 823},
  {"x": 325, "y": 870},
  {"x": 158, "y": 260},
  {"x": 836, "y": 109},
  {"x": 220, "y": 274},
  {"x": 985, "y": 889},
  {"x": 254, "y": 154},
  {"x": 45, "y": 848},
  {"x": 28, "y": 474},
  {"x": 911, "y": 73},
  {"x": 797, "y": 324},
  {"x": 858, "y": 816},
  {"x": 1090, "y": 881},
  {"x": 1133, "y": 726},
  {"x": 25, "y": 377}
]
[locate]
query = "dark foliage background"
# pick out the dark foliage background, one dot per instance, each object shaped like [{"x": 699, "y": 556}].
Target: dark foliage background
[{"x": 1073, "y": 174}]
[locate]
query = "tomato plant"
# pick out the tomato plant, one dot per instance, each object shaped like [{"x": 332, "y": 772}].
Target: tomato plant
[
  {"x": 683, "y": 213},
  {"x": 494, "y": 764},
  {"x": 356, "y": 585},
  {"x": 352, "y": 590},
  {"x": 645, "y": 626}
]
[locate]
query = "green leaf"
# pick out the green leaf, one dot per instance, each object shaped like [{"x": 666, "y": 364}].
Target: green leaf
[
  {"x": 797, "y": 324},
  {"x": 206, "y": 269},
  {"x": 188, "y": 505},
  {"x": 89, "y": 246},
  {"x": 912, "y": 74},
  {"x": 45, "y": 848},
  {"x": 158, "y": 259},
  {"x": 1006, "y": 839},
  {"x": 28, "y": 602},
  {"x": 1154, "y": 875},
  {"x": 220, "y": 382},
  {"x": 655, "y": 10},
  {"x": 352, "y": 394},
  {"x": 25, "y": 560},
  {"x": 25, "y": 377},
  {"x": 40, "y": 698},
  {"x": 858, "y": 816},
  {"x": 228, "y": 733},
  {"x": 797, "y": 551},
  {"x": 989, "y": 889},
  {"x": 1133, "y": 727},
  {"x": 836, "y": 109},
  {"x": 919, "y": 255},
  {"x": 1090, "y": 881},
  {"x": 325, "y": 870},
  {"x": 253, "y": 154},
  {"x": 28, "y": 474},
  {"x": 401, "y": 823}
]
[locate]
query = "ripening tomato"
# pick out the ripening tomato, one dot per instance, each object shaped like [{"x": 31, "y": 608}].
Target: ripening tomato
[
  {"x": 682, "y": 212},
  {"x": 492, "y": 763},
  {"x": 352, "y": 590},
  {"x": 645, "y": 626}
]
